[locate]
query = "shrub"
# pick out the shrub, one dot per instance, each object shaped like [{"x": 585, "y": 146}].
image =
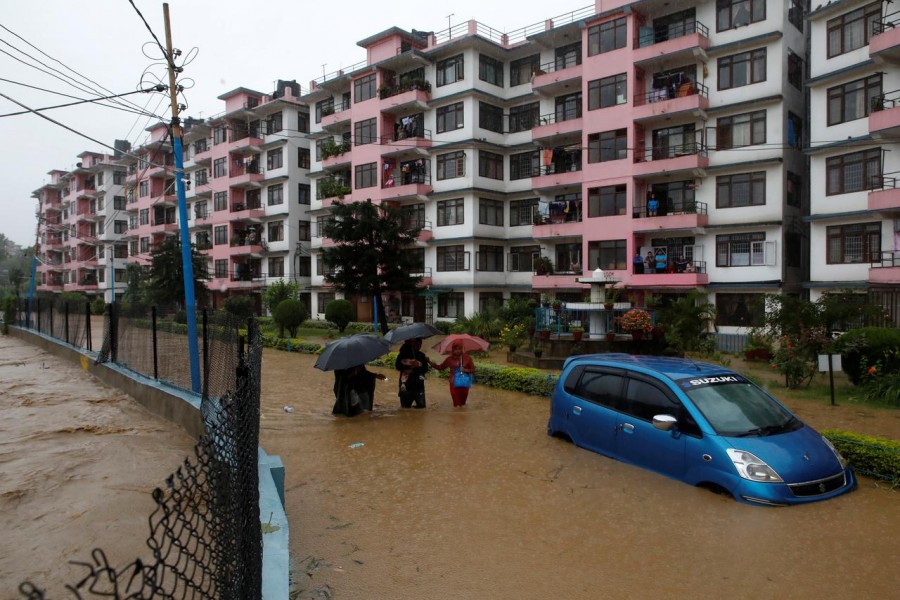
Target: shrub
[
  {"x": 863, "y": 348},
  {"x": 444, "y": 326},
  {"x": 872, "y": 456},
  {"x": 636, "y": 319},
  {"x": 241, "y": 307},
  {"x": 9, "y": 313},
  {"x": 340, "y": 312},
  {"x": 289, "y": 315},
  {"x": 882, "y": 389},
  {"x": 98, "y": 306}
]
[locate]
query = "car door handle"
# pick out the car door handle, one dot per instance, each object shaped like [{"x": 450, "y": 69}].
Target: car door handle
[
  {"x": 627, "y": 427},
  {"x": 576, "y": 410}
]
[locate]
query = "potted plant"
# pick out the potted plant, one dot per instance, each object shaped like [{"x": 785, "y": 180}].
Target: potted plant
[
  {"x": 758, "y": 348},
  {"x": 577, "y": 332},
  {"x": 544, "y": 333},
  {"x": 556, "y": 305},
  {"x": 610, "y": 336},
  {"x": 529, "y": 323},
  {"x": 612, "y": 296},
  {"x": 877, "y": 103},
  {"x": 543, "y": 265},
  {"x": 511, "y": 335},
  {"x": 637, "y": 322},
  {"x": 651, "y": 301},
  {"x": 538, "y": 350}
]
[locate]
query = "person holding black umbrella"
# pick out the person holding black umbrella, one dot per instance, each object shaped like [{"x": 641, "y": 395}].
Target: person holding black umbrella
[
  {"x": 413, "y": 366},
  {"x": 354, "y": 390}
]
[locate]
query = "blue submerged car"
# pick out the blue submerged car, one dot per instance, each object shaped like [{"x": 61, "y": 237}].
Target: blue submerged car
[{"x": 696, "y": 422}]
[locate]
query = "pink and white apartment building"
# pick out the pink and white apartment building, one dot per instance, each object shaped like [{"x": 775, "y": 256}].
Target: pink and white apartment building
[{"x": 610, "y": 132}]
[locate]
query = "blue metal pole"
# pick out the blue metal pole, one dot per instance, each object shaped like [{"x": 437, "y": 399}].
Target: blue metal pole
[
  {"x": 34, "y": 262},
  {"x": 375, "y": 311},
  {"x": 190, "y": 303}
]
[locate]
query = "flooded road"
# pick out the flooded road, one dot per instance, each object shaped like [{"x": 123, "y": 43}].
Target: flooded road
[
  {"x": 78, "y": 462},
  {"x": 480, "y": 503}
]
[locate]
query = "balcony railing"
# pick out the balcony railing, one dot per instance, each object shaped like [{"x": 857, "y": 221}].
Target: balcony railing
[
  {"x": 560, "y": 115},
  {"x": 671, "y": 151},
  {"x": 679, "y": 207},
  {"x": 663, "y": 94},
  {"x": 656, "y": 35},
  {"x": 676, "y": 266},
  {"x": 387, "y": 91},
  {"x": 887, "y": 260},
  {"x": 564, "y": 161},
  {"x": 886, "y": 23},
  {"x": 560, "y": 63}
]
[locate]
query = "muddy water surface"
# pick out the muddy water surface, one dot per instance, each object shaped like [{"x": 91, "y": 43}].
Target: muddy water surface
[{"x": 481, "y": 503}]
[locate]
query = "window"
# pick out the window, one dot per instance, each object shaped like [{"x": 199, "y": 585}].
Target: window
[
  {"x": 303, "y": 231},
  {"x": 748, "y": 129},
  {"x": 413, "y": 216},
  {"x": 303, "y": 122},
  {"x": 795, "y": 14},
  {"x": 609, "y": 145},
  {"x": 794, "y": 191},
  {"x": 220, "y": 134},
  {"x": 323, "y": 299},
  {"x": 220, "y": 201},
  {"x": 304, "y": 193},
  {"x": 303, "y": 158},
  {"x": 490, "y": 212},
  {"x": 744, "y": 189},
  {"x": 607, "y": 36},
  {"x": 853, "y": 100},
  {"x": 220, "y": 167},
  {"x": 366, "y": 176},
  {"x": 119, "y": 177},
  {"x": 364, "y": 88},
  {"x": 451, "y": 165},
  {"x": 324, "y": 108},
  {"x": 644, "y": 401},
  {"x": 145, "y": 216},
  {"x": 451, "y": 258},
  {"x": 133, "y": 248},
  {"x": 608, "y": 255},
  {"x": 490, "y": 70},
  {"x": 145, "y": 245},
  {"x": 742, "y": 69},
  {"x": 860, "y": 243},
  {"x": 221, "y": 235},
  {"x": 275, "y": 159},
  {"x": 568, "y": 107},
  {"x": 490, "y": 165},
  {"x": 120, "y": 251},
  {"x": 608, "y": 91},
  {"x": 120, "y": 226},
  {"x": 365, "y": 132},
  {"x": 450, "y": 117},
  {"x": 568, "y": 56},
  {"x": 731, "y": 14},
  {"x": 522, "y": 212},
  {"x": 221, "y": 267},
  {"x": 276, "y": 266},
  {"x": 451, "y": 212},
  {"x": 853, "y": 29},
  {"x": 521, "y": 70},
  {"x": 740, "y": 250},
  {"x": 524, "y": 117},
  {"x": 276, "y": 231},
  {"x": 795, "y": 70},
  {"x": 524, "y": 165},
  {"x": 490, "y": 258},
  {"x": 450, "y": 70},
  {"x": 521, "y": 258},
  {"x": 598, "y": 387},
  {"x": 145, "y": 188},
  {"x": 201, "y": 177},
  {"x": 119, "y": 202},
  {"x": 853, "y": 172},
  {"x": 451, "y": 305},
  {"x": 275, "y": 194},
  {"x": 607, "y": 201},
  {"x": 740, "y": 310},
  {"x": 273, "y": 123},
  {"x": 490, "y": 117}
]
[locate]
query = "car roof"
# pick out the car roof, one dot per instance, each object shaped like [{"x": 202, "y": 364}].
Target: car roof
[{"x": 668, "y": 366}]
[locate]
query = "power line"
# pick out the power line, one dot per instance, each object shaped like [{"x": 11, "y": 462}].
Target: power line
[
  {"x": 147, "y": 25},
  {"x": 22, "y": 112}
]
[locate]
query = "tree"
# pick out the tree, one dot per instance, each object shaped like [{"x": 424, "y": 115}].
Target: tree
[
  {"x": 278, "y": 291},
  {"x": 339, "y": 312},
  {"x": 134, "y": 283},
  {"x": 289, "y": 315},
  {"x": 687, "y": 320},
  {"x": 371, "y": 254},
  {"x": 165, "y": 278},
  {"x": 241, "y": 307}
]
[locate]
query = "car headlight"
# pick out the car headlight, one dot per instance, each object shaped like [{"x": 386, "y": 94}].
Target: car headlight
[
  {"x": 749, "y": 466},
  {"x": 840, "y": 458}
]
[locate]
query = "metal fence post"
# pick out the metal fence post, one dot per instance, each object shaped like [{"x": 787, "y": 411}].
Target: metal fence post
[
  {"x": 87, "y": 324},
  {"x": 67, "y": 322},
  {"x": 113, "y": 334},
  {"x": 205, "y": 389},
  {"x": 38, "y": 316},
  {"x": 50, "y": 328},
  {"x": 155, "y": 348}
]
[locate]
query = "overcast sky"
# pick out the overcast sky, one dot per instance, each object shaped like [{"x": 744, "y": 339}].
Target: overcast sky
[{"x": 239, "y": 44}]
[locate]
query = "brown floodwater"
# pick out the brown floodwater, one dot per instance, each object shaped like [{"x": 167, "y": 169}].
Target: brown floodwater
[{"x": 480, "y": 503}]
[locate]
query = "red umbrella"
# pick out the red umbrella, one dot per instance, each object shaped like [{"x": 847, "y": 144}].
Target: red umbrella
[{"x": 470, "y": 343}]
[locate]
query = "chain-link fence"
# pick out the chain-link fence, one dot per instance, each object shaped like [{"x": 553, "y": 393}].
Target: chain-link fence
[{"x": 205, "y": 534}]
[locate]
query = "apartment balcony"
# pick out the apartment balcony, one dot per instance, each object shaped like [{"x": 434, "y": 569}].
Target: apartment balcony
[
  {"x": 558, "y": 223},
  {"x": 884, "y": 45},
  {"x": 248, "y": 246},
  {"x": 886, "y": 270},
  {"x": 563, "y": 172},
  {"x": 241, "y": 282},
  {"x": 253, "y": 213},
  {"x": 86, "y": 192},
  {"x": 52, "y": 242},
  {"x": 83, "y": 285},
  {"x": 561, "y": 74},
  {"x": 562, "y": 124},
  {"x": 686, "y": 280},
  {"x": 52, "y": 286},
  {"x": 407, "y": 186},
  {"x": 884, "y": 118},
  {"x": 340, "y": 159},
  {"x": 884, "y": 197},
  {"x": 244, "y": 141},
  {"x": 402, "y": 144},
  {"x": 88, "y": 216},
  {"x": 161, "y": 171},
  {"x": 411, "y": 97},
  {"x": 672, "y": 43},
  {"x": 165, "y": 200},
  {"x": 677, "y": 216},
  {"x": 680, "y": 159},
  {"x": 165, "y": 228},
  {"x": 337, "y": 119},
  {"x": 202, "y": 220},
  {"x": 656, "y": 105},
  {"x": 244, "y": 174}
]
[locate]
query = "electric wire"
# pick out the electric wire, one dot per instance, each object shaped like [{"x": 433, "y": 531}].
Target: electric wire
[{"x": 22, "y": 112}]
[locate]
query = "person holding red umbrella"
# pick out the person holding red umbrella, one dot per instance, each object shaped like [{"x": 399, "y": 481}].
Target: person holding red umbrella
[{"x": 461, "y": 365}]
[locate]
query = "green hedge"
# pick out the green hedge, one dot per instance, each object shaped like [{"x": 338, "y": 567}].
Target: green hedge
[
  {"x": 862, "y": 348},
  {"x": 871, "y": 456}
]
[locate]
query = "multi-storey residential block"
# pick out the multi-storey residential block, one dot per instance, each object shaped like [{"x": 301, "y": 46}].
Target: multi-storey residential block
[
  {"x": 855, "y": 106},
  {"x": 618, "y": 130}
]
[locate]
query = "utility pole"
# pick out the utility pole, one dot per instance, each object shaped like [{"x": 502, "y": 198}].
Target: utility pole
[{"x": 190, "y": 303}]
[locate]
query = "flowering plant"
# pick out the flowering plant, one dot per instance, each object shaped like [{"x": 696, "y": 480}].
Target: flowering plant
[
  {"x": 636, "y": 319},
  {"x": 512, "y": 334}
]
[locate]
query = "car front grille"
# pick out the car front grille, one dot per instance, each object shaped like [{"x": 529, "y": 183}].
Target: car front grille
[{"x": 817, "y": 488}]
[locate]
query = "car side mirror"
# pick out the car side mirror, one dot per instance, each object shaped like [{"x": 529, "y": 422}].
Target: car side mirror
[{"x": 665, "y": 422}]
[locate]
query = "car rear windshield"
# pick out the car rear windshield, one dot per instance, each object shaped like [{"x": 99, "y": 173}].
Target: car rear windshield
[{"x": 735, "y": 407}]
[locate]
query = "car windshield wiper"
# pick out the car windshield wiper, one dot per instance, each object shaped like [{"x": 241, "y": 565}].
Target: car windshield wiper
[{"x": 771, "y": 429}]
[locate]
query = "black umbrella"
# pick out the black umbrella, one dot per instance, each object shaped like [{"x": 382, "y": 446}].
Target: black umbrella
[
  {"x": 351, "y": 351},
  {"x": 411, "y": 332}
]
